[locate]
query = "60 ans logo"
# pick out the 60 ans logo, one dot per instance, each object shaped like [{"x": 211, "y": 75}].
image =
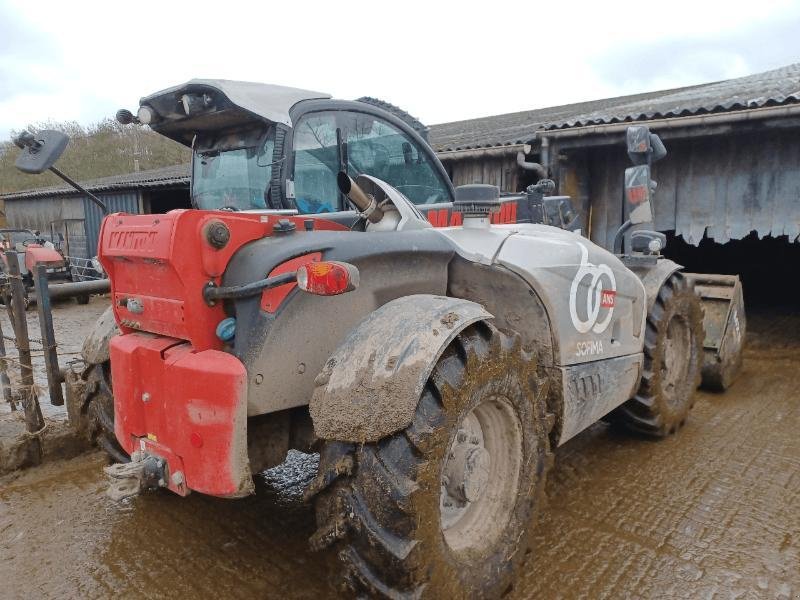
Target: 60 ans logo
[{"x": 599, "y": 298}]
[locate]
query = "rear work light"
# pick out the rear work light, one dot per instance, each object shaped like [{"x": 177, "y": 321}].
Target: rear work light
[{"x": 327, "y": 278}]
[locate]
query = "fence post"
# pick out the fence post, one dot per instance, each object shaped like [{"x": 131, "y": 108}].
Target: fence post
[
  {"x": 48, "y": 335},
  {"x": 30, "y": 403},
  {"x": 4, "y": 380}
]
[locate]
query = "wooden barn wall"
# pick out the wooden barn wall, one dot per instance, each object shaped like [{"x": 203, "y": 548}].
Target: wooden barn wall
[
  {"x": 38, "y": 213},
  {"x": 500, "y": 171},
  {"x": 723, "y": 187}
]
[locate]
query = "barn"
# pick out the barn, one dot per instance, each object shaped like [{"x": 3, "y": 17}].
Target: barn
[
  {"x": 62, "y": 210},
  {"x": 728, "y": 192}
]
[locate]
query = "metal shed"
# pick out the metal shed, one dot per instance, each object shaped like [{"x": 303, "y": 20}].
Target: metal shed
[{"x": 156, "y": 191}]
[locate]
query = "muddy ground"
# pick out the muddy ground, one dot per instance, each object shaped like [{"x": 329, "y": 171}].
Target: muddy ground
[{"x": 713, "y": 512}]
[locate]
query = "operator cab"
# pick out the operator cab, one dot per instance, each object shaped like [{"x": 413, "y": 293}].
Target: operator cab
[{"x": 259, "y": 147}]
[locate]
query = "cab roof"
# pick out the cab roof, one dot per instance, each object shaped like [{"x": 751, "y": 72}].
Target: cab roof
[{"x": 232, "y": 103}]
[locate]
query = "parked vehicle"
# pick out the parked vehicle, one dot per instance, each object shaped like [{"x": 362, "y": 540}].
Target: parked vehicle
[
  {"x": 309, "y": 302},
  {"x": 33, "y": 249}
]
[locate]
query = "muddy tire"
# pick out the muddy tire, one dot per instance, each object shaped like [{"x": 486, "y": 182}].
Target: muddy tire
[
  {"x": 98, "y": 411},
  {"x": 443, "y": 509},
  {"x": 673, "y": 356}
]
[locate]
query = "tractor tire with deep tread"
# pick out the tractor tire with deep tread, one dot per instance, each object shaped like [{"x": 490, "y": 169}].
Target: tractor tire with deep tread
[
  {"x": 387, "y": 507},
  {"x": 673, "y": 357},
  {"x": 98, "y": 410}
]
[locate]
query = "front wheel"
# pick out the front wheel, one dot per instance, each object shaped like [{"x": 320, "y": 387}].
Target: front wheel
[
  {"x": 443, "y": 508},
  {"x": 673, "y": 355}
]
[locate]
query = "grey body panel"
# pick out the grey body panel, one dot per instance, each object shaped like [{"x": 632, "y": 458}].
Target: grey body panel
[
  {"x": 284, "y": 352},
  {"x": 592, "y": 390},
  {"x": 370, "y": 386},
  {"x": 569, "y": 275}
]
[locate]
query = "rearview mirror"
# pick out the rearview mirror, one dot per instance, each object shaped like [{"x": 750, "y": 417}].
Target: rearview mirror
[
  {"x": 638, "y": 192},
  {"x": 40, "y": 151}
]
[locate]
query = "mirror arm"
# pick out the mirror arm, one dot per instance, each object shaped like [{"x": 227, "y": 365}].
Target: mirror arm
[
  {"x": 620, "y": 236},
  {"x": 88, "y": 194}
]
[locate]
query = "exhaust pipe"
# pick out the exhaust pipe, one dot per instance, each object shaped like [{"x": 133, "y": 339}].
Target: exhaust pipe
[{"x": 366, "y": 204}]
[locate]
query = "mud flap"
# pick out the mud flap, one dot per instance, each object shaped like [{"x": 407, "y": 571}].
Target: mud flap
[
  {"x": 370, "y": 386},
  {"x": 725, "y": 325}
]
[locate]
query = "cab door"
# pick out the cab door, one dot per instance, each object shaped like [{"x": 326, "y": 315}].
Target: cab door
[{"x": 330, "y": 136}]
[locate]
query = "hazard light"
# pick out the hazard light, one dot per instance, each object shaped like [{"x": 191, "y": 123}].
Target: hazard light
[{"x": 327, "y": 278}]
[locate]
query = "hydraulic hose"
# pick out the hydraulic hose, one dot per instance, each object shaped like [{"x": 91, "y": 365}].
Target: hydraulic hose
[{"x": 212, "y": 293}]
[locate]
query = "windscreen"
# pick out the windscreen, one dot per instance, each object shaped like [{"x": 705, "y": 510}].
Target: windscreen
[{"x": 232, "y": 171}]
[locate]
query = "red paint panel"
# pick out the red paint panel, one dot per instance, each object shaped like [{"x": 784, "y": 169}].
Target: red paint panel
[
  {"x": 272, "y": 299},
  {"x": 164, "y": 262},
  {"x": 167, "y": 395}
]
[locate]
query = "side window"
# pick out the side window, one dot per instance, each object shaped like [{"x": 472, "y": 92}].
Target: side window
[
  {"x": 375, "y": 147},
  {"x": 316, "y": 163}
]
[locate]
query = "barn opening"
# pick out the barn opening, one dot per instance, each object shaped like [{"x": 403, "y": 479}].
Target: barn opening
[
  {"x": 769, "y": 267},
  {"x": 162, "y": 201}
]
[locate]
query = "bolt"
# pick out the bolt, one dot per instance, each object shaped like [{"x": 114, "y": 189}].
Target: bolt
[
  {"x": 259, "y": 378},
  {"x": 448, "y": 503},
  {"x": 146, "y": 397},
  {"x": 461, "y": 437},
  {"x": 475, "y": 440},
  {"x": 301, "y": 368}
]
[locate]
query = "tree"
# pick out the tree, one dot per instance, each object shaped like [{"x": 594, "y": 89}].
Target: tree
[{"x": 98, "y": 150}]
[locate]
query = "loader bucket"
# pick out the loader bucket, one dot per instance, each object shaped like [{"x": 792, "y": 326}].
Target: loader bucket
[{"x": 725, "y": 325}]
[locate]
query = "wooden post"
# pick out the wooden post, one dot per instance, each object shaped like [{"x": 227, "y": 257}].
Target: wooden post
[
  {"x": 48, "y": 335},
  {"x": 30, "y": 403},
  {"x": 4, "y": 380}
]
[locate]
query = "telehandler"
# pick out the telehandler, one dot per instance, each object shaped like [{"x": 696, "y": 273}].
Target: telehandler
[{"x": 309, "y": 302}]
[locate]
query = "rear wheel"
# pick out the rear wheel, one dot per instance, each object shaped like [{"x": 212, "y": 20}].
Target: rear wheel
[
  {"x": 98, "y": 410},
  {"x": 443, "y": 508},
  {"x": 673, "y": 354}
]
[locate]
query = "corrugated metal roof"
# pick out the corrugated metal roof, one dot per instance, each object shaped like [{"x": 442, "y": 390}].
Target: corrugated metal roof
[
  {"x": 154, "y": 178},
  {"x": 771, "y": 88}
]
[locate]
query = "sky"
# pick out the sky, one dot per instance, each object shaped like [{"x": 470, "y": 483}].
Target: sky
[{"x": 440, "y": 61}]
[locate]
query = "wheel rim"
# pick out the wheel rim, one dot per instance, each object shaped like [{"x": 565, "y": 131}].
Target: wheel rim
[
  {"x": 480, "y": 477},
  {"x": 675, "y": 364}
]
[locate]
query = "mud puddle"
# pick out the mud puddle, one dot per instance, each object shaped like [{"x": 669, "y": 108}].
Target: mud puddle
[
  {"x": 713, "y": 512},
  {"x": 61, "y": 537}
]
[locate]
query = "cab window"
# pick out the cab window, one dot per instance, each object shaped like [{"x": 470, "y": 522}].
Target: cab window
[
  {"x": 317, "y": 140},
  {"x": 376, "y": 147}
]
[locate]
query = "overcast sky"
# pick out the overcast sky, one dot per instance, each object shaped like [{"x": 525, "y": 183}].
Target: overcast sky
[{"x": 82, "y": 60}]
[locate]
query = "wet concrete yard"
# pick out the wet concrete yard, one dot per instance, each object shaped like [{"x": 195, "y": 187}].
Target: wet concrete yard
[{"x": 713, "y": 512}]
